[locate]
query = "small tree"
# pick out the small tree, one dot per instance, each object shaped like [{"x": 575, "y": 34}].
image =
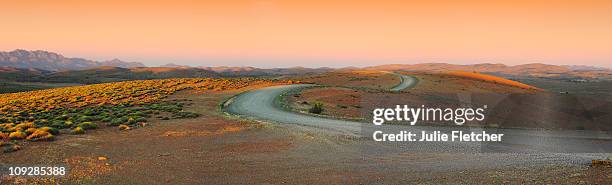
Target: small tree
[{"x": 316, "y": 108}]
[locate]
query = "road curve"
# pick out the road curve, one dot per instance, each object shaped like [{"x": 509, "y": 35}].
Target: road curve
[
  {"x": 543, "y": 147},
  {"x": 260, "y": 105},
  {"x": 406, "y": 82}
]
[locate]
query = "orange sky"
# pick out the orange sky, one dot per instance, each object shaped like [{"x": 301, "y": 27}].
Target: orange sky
[{"x": 314, "y": 33}]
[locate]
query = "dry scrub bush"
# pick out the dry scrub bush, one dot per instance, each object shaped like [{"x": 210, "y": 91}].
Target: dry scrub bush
[
  {"x": 17, "y": 135},
  {"x": 124, "y": 127},
  {"x": 40, "y": 135},
  {"x": 77, "y": 131}
]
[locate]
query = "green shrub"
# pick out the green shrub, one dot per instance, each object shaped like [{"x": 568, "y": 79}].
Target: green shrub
[
  {"x": 51, "y": 130},
  {"x": 87, "y": 125},
  {"x": 185, "y": 115},
  {"x": 106, "y": 119},
  {"x": 131, "y": 121},
  {"x": 41, "y": 122},
  {"x": 77, "y": 130},
  {"x": 317, "y": 108},
  {"x": 140, "y": 119},
  {"x": 117, "y": 122},
  {"x": 58, "y": 124},
  {"x": 89, "y": 112},
  {"x": 138, "y": 113},
  {"x": 68, "y": 124},
  {"x": 86, "y": 118}
]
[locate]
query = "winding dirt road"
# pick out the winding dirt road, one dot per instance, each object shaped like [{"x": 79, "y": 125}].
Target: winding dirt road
[
  {"x": 260, "y": 104},
  {"x": 406, "y": 82},
  {"x": 521, "y": 147}
]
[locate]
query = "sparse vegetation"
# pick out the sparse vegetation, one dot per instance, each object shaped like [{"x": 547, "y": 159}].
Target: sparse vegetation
[
  {"x": 40, "y": 115},
  {"x": 40, "y": 135},
  {"x": 77, "y": 131},
  {"x": 317, "y": 108},
  {"x": 124, "y": 127},
  {"x": 17, "y": 135},
  {"x": 362, "y": 79},
  {"x": 358, "y": 79},
  {"x": 87, "y": 125}
]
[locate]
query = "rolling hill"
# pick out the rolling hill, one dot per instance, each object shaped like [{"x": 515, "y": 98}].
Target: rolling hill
[
  {"x": 238, "y": 71},
  {"x": 524, "y": 70},
  {"x": 114, "y": 74},
  {"x": 20, "y": 74}
]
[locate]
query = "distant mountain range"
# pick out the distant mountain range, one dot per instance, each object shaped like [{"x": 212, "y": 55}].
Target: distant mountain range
[
  {"x": 22, "y": 64},
  {"x": 525, "y": 70},
  {"x": 486, "y": 67},
  {"x": 49, "y": 61},
  {"x": 253, "y": 71}
]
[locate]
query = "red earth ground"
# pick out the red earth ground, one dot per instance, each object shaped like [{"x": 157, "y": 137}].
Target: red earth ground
[
  {"x": 511, "y": 104},
  {"x": 219, "y": 149}
]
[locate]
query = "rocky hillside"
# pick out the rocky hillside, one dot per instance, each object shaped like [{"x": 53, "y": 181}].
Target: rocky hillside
[{"x": 50, "y": 61}]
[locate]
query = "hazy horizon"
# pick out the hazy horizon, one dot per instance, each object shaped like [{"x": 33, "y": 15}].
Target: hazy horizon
[
  {"x": 335, "y": 33},
  {"x": 339, "y": 65}
]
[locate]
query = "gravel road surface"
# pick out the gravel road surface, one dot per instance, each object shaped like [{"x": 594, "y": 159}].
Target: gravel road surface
[{"x": 520, "y": 147}]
